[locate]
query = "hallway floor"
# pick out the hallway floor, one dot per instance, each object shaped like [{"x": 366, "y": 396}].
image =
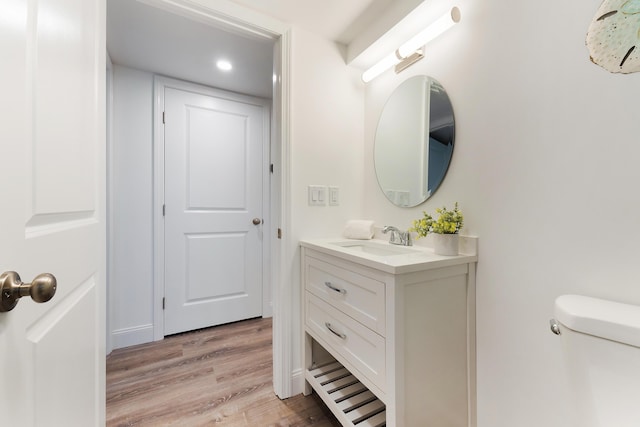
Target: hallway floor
[{"x": 215, "y": 376}]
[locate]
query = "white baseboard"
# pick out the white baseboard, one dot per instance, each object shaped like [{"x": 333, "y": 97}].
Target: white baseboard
[
  {"x": 297, "y": 382},
  {"x": 127, "y": 337}
]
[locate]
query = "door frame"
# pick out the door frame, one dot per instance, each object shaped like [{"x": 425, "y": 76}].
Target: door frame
[
  {"x": 237, "y": 18},
  {"x": 160, "y": 84},
  {"x": 109, "y": 211}
]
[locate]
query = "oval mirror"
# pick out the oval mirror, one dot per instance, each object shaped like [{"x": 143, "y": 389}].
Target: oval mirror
[{"x": 414, "y": 141}]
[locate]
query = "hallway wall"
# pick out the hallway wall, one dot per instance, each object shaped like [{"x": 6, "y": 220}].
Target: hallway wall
[{"x": 131, "y": 187}]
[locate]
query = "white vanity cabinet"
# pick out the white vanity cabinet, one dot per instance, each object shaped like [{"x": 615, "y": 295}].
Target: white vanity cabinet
[{"x": 389, "y": 340}]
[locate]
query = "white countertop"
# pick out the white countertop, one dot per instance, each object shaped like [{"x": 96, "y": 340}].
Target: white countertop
[{"x": 394, "y": 259}]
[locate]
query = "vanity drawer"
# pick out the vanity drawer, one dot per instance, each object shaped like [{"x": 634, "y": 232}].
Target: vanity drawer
[
  {"x": 360, "y": 346},
  {"x": 356, "y": 295}
]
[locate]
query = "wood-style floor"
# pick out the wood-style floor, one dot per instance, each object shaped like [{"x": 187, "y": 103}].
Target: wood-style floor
[{"x": 214, "y": 376}]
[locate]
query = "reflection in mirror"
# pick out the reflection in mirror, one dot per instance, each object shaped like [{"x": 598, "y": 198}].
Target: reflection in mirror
[{"x": 414, "y": 141}]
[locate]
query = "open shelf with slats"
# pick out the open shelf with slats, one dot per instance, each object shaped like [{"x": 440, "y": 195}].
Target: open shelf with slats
[{"x": 350, "y": 401}]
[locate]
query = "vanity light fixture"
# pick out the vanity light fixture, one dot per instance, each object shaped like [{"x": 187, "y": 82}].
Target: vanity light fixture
[{"x": 411, "y": 51}]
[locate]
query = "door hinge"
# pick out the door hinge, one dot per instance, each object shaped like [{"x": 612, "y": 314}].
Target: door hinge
[
  {"x": 163, "y": 303},
  {"x": 163, "y": 210},
  {"x": 271, "y": 168},
  {"x": 279, "y": 233},
  {"x": 163, "y": 117}
]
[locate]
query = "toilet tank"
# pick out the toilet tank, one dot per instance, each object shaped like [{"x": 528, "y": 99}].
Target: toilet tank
[{"x": 601, "y": 346}]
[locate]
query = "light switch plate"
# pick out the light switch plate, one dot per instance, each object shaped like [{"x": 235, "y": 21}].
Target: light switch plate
[
  {"x": 317, "y": 195},
  {"x": 334, "y": 196}
]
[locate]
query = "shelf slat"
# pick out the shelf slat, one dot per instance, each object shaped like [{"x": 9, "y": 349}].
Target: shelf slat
[
  {"x": 333, "y": 376},
  {"x": 353, "y": 402},
  {"x": 345, "y": 393},
  {"x": 378, "y": 420},
  {"x": 367, "y": 411},
  {"x": 349, "y": 400},
  {"x": 325, "y": 369}
]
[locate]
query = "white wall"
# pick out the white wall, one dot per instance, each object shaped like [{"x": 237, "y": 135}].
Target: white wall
[
  {"x": 545, "y": 168},
  {"x": 131, "y": 189},
  {"x": 327, "y": 138},
  {"x": 326, "y": 147}
]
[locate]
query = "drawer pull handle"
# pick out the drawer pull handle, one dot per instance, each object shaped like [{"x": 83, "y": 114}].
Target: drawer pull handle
[
  {"x": 333, "y": 288},
  {"x": 334, "y": 332}
]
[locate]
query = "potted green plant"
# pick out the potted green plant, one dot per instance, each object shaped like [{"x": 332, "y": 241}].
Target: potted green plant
[{"x": 445, "y": 229}]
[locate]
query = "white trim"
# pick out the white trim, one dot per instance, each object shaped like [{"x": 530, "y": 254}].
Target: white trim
[
  {"x": 225, "y": 14},
  {"x": 158, "y": 203},
  {"x": 132, "y": 336},
  {"x": 275, "y": 190},
  {"x": 297, "y": 381},
  {"x": 251, "y": 22},
  {"x": 267, "y": 308},
  {"x": 110, "y": 267},
  {"x": 284, "y": 354},
  {"x": 282, "y": 290}
]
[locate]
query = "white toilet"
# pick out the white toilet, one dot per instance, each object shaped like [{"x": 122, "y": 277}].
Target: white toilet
[{"x": 601, "y": 344}]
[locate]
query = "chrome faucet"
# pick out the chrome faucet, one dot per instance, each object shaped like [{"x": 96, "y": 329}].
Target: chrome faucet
[{"x": 397, "y": 237}]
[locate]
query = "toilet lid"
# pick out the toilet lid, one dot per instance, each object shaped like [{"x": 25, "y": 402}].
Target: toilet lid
[{"x": 601, "y": 318}]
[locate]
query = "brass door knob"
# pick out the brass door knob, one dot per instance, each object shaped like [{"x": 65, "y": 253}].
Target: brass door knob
[
  {"x": 41, "y": 289},
  {"x": 257, "y": 221}
]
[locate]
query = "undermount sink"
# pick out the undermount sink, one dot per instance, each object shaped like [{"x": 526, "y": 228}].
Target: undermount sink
[{"x": 375, "y": 248}]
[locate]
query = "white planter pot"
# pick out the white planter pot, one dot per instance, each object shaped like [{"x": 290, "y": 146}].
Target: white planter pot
[{"x": 445, "y": 244}]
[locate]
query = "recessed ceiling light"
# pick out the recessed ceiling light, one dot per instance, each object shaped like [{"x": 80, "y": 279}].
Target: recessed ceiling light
[{"x": 224, "y": 65}]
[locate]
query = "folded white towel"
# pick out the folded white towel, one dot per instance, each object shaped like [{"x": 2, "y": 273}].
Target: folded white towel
[{"x": 358, "y": 229}]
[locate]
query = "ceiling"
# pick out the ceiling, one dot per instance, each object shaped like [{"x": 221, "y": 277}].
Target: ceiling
[
  {"x": 336, "y": 20},
  {"x": 151, "y": 39}
]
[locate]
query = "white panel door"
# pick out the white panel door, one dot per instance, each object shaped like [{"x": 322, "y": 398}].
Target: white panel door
[
  {"x": 213, "y": 194},
  {"x": 52, "y": 218}
]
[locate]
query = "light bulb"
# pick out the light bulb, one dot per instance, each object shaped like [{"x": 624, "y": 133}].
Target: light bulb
[{"x": 224, "y": 65}]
